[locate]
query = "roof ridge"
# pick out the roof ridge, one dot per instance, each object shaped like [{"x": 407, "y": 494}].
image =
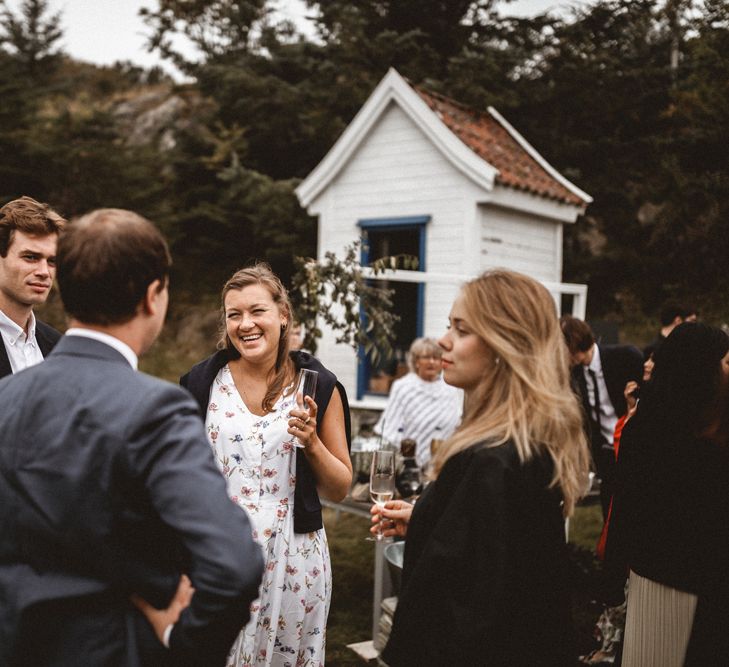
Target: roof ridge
[
  {"x": 464, "y": 121},
  {"x": 450, "y": 100}
]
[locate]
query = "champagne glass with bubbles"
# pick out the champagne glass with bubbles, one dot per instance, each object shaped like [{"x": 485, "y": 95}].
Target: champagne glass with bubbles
[
  {"x": 382, "y": 482},
  {"x": 305, "y": 386}
]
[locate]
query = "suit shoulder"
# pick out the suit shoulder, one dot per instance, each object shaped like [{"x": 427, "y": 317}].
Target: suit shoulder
[
  {"x": 154, "y": 391},
  {"x": 156, "y": 385},
  {"x": 486, "y": 456},
  {"x": 633, "y": 351},
  {"x": 504, "y": 454},
  {"x": 47, "y": 330},
  {"x": 623, "y": 350},
  {"x": 621, "y": 353}
]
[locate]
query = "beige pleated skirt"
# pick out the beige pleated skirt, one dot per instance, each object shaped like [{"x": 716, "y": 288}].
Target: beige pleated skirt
[{"x": 657, "y": 625}]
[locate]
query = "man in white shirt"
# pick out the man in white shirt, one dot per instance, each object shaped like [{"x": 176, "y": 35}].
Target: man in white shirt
[
  {"x": 600, "y": 373},
  {"x": 28, "y": 238}
]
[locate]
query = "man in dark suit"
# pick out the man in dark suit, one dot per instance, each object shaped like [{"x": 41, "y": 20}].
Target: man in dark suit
[
  {"x": 28, "y": 238},
  {"x": 108, "y": 488},
  {"x": 672, "y": 314},
  {"x": 600, "y": 373}
]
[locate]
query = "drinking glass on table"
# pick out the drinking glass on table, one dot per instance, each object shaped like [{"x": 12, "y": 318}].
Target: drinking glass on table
[
  {"x": 305, "y": 386},
  {"x": 382, "y": 482}
]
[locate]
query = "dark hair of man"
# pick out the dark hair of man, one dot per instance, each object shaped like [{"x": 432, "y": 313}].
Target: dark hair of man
[
  {"x": 673, "y": 309},
  {"x": 682, "y": 396},
  {"x": 106, "y": 261},
  {"x": 28, "y": 216},
  {"x": 577, "y": 334}
]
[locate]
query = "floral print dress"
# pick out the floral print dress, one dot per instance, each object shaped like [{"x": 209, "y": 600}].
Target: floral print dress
[{"x": 258, "y": 460}]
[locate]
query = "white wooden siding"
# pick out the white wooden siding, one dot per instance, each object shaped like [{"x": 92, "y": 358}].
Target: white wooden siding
[
  {"x": 519, "y": 242},
  {"x": 397, "y": 172}
]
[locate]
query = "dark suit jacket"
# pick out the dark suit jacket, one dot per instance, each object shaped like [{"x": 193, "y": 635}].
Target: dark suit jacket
[
  {"x": 620, "y": 363},
  {"x": 307, "y": 506},
  {"x": 46, "y": 337},
  {"x": 485, "y": 579},
  {"x": 108, "y": 488}
]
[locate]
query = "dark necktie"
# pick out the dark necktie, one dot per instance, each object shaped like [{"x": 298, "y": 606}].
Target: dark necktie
[{"x": 593, "y": 377}]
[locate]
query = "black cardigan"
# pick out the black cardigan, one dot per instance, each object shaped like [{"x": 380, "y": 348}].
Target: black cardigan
[{"x": 307, "y": 507}]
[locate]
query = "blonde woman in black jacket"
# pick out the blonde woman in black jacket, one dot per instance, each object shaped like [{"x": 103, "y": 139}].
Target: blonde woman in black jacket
[{"x": 485, "y": 570}]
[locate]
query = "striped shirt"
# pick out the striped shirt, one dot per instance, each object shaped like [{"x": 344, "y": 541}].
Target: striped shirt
[{"x": 423, "y": 410}]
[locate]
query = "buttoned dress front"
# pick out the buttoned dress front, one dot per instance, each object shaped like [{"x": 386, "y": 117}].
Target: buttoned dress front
[{"x": 256, "y": 455}]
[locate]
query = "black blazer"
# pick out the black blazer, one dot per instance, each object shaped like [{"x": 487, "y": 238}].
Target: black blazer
[
  {"x": 45, "y": 335},
  {"x": 485, "y": 577},
  {"x": 108, "y": 487},
  {"x": 307, "y": 506},
  {"x": 620, "y": 364}
]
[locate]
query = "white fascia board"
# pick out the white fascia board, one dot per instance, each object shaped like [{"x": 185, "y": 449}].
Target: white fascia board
[
  {"x": 538, "y": 205},
  {"x": 394, "y": 88},
  {"x": 540, "y": 160}
]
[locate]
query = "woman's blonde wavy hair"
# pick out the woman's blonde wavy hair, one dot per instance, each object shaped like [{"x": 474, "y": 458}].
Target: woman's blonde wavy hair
[
  {"x": 525, "y": 396},
  {"x": 283, "y": 370}
]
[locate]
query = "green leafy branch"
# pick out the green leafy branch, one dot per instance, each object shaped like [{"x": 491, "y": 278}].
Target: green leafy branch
[{"x": 340, "y": 293}]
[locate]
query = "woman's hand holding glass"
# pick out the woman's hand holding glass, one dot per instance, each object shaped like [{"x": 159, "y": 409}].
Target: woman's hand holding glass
[
  {"x": 304, "y": 412},
  {"x": 302, "y": 423},
  {"x": 392, "y": 517}
]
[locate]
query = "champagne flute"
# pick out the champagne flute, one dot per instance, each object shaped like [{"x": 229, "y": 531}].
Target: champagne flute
[
  {"x": 305, "y": 386},
  {"x": 382, "y": 482}
]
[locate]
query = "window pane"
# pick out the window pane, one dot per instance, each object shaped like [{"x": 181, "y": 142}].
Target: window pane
[
  {"x": 386, "y": 242},
  {"x": 405, "y": 300}
]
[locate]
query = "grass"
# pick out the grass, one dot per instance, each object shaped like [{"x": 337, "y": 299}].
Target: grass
[
  {"x": 585, "y": 526},
  {"x": 350, "y": 617}
]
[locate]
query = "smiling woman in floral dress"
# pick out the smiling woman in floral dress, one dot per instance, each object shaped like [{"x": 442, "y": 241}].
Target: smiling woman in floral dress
[{"x": 246, "y": 393}]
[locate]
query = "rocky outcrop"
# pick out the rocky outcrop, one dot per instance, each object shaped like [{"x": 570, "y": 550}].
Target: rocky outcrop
[{"x": 156, "y": 116}]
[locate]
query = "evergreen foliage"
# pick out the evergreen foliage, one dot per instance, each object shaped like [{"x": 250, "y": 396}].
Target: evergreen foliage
[{"x": 627, "y": 98}]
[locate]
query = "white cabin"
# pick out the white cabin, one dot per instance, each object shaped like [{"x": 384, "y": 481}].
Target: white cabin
[{"x": 418, "y": 173}]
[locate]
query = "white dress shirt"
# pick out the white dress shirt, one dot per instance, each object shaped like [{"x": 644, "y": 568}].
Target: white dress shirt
[
  {"x": 608, "y": 417},
  {"x": 22, "y": 348}
]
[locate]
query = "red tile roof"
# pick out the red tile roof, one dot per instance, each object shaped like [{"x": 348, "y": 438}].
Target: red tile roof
[{"x": 490, "y": 140}]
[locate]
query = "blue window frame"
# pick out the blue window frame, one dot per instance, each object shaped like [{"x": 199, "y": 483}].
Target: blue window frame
[{"x": 384, "y": 237}]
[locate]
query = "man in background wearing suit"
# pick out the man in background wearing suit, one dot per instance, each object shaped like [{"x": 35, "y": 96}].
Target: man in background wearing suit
[
  {"x": 673, "y": 313},
  {"x": 600, "y": 372},
  {"x": 28, "y": 238},
  {"x": 108, "y": 489}
]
